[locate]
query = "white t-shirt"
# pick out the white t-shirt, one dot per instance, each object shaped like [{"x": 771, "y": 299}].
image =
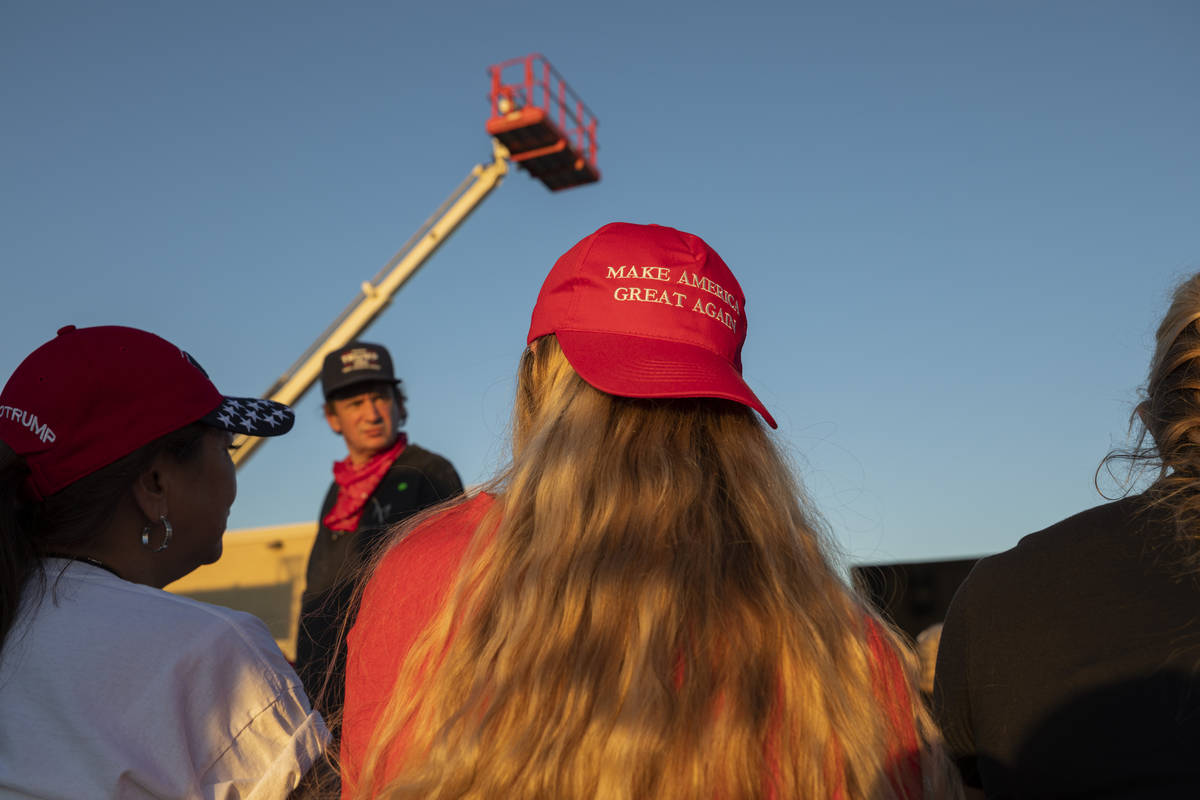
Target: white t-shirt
[{"x": 111, "y": 689}]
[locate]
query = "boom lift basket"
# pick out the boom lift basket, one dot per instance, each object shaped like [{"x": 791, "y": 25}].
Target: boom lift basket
[{"x": 546, "y": 128}]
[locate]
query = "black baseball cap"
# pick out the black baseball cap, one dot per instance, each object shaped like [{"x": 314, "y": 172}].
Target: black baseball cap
[{"x": 357, "y": 362}]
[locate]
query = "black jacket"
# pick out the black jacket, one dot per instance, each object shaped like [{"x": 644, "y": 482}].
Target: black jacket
[
  {"x": 417, "y": 479},
  {"x": 1069, "y": 666}
]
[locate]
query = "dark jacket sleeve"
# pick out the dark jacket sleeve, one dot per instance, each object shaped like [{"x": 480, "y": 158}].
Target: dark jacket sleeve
[
  {"x": 322, "y": 606},
  {"x": 443, "y": 480},
  {"x": 952, "y": 685},
  {"x": 418, "y": 479}
]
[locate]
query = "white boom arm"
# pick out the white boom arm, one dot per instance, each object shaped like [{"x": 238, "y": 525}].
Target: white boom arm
[{"x": 378, "y": 292}]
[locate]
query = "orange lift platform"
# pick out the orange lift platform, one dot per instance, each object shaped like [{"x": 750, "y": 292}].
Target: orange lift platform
[
  {"x": 536, "y": 122},
  {"x": 543, "y": 124}
]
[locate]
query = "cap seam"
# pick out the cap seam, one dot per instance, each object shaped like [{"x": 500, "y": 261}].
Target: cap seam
[
  {"x": 648, "y": 337},
  {"x": 576, "y": 274}
]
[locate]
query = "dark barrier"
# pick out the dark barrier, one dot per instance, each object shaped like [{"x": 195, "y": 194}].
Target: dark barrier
[{"x": 913, "y": 595}]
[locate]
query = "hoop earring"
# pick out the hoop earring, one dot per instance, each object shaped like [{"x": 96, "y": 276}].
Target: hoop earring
[{"x": 166, "y": 537}]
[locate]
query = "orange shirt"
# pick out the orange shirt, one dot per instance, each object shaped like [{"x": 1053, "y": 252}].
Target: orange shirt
[
  {"x": 409, "y": 587},
  {"x": 403, "y": 596}
]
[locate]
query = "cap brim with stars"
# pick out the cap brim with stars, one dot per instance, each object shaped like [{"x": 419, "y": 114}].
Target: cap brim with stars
[
  {"x": 91, "y": 396},
  {"x": 252, "y": 416}
]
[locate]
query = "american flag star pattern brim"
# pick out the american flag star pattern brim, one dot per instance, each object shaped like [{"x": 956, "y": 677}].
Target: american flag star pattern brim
[{"x": 252, "y": 416}]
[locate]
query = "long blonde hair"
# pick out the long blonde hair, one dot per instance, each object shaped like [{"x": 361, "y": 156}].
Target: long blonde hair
[{"x": 650, "y": 613}]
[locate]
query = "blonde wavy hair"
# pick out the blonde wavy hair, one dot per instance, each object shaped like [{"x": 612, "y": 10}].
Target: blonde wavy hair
[
  {"x": 650, "y": 612},
  {"x": 1167, "y": 421}
]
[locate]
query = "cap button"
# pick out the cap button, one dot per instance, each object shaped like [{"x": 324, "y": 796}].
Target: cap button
[{"x": 66, "y": 329}]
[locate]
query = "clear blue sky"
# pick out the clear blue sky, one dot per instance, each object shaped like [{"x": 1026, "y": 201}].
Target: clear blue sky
[{"x": 956, "y": 223}]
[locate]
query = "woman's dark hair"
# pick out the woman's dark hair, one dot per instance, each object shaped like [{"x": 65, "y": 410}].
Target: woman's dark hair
[{"x": 30, "y": 528}]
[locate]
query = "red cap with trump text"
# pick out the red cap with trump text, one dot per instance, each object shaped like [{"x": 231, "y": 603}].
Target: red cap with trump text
[
  {"x": 90, "y": 396},
  {"x": 648, "y": 311}
]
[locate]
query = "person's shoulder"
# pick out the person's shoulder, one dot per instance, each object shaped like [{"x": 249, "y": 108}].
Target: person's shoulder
[
  {"x": 414, "y": 455},
  {"x": 1084, "y": 530},
  {"x": 180, "y": 635},
  {"x": 1091, "y": 531},
  {"x": 1071, "y": 549},
  {"x": 419, "y": 566},
  {"x": 232, "y": 688},
  {"x": 455, "y": 522},
  {"x": 440, "y": 479},
  {"x": 438, "y": 542},
  {"x": 221, "y": 618},
  {"x": 214, "y": 616},
  {"x": 328, "y": 501},
  {"x": 204, "y": 631}
]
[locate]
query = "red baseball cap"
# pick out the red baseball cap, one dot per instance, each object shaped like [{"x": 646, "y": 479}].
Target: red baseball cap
[
  {"x": 93, "y": 395},
  {"x": 648, "y": 311}
]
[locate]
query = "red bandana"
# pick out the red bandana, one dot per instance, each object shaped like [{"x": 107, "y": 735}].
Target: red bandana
[{"x": 355, "y": 485}]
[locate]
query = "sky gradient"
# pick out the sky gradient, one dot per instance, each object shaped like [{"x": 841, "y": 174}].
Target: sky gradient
[{"x": 956, "y": 225}]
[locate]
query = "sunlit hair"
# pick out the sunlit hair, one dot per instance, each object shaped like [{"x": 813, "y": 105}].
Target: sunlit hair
[
  {"x": 1167, "y": 419},
  {"x": 648, "y": 613}
]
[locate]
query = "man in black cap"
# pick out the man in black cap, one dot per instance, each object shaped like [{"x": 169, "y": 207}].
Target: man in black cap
[{"x": 383, "y": 480}]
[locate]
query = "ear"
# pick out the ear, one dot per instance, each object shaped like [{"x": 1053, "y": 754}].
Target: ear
[{"x": 149, "y": 491}]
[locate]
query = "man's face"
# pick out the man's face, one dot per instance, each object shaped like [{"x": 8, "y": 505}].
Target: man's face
[{"x": 367, "y": 419}]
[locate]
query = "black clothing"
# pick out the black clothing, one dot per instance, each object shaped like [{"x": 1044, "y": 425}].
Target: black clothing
[
  {"x": 1069, "y": 666},
  {"x": 416, "y": 480}
]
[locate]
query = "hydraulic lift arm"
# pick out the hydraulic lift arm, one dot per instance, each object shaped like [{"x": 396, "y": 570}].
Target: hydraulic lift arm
[{"x": 378, "y": 292}]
